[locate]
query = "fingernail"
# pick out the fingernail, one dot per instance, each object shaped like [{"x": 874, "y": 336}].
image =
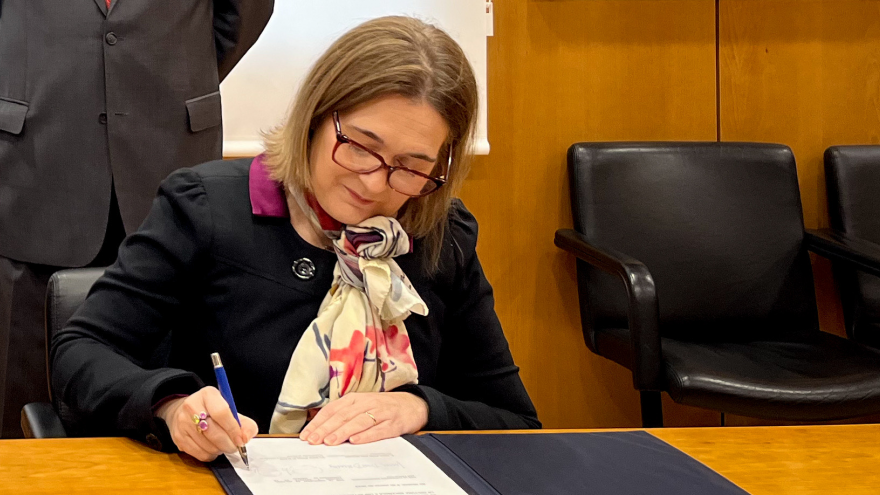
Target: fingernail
[
  {"x": 330, "y": 439},
  {"x": 313, "y": 438}
]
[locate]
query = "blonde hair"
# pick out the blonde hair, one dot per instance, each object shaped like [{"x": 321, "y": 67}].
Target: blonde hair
[{"x": 381, "y": 57}]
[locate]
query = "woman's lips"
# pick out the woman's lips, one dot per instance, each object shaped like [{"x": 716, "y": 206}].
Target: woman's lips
[{"x": 358, "y": 198}]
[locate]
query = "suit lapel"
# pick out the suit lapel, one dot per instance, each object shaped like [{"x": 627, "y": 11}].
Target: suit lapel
[{"x": 102, "y": 4}]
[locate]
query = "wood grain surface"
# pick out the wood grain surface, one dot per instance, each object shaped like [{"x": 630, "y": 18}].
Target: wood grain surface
[{"x": 802, "y": 460}]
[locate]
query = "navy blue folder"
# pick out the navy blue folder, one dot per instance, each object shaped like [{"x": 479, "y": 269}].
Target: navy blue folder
[{"x": 613, "y": 463}]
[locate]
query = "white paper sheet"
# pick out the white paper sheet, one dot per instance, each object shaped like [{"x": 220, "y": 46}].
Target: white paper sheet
[{"x": 389, "y": 467}]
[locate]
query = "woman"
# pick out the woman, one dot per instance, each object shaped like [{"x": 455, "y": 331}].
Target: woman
[{"x": 335, "y": 275}]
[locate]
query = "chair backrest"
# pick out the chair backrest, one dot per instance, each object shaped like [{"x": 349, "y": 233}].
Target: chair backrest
[
  {"x": 852, "y": 177},
  {"x": 65, "y": 293},
  {"x": 718, "y": 225}
]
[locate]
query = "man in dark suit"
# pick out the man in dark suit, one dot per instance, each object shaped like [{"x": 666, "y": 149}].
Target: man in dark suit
[{"x": 99, "y": 101}]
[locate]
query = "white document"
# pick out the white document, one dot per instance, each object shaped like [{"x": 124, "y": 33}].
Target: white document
[{"x": 388, "y": 467}]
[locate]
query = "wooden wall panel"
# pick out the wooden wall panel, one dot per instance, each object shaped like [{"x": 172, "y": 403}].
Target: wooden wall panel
[
  {"x": 805, "y": 73},
  {"x": 562, "y": 72}
]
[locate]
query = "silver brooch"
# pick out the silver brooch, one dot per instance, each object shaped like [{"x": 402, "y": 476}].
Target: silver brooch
[{"x": 304, "y": 269}]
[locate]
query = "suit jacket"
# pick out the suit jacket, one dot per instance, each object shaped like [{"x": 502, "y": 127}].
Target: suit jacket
[
  {"x": 218, "y": 270},
  {"x": 92, "y": 99}
]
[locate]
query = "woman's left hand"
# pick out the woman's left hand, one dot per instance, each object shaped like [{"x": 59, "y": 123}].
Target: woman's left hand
[{"x": 367, "y": 417}]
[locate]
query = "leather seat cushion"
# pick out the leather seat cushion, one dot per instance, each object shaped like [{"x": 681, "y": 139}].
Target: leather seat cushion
[{"x": 812, "y": 377}]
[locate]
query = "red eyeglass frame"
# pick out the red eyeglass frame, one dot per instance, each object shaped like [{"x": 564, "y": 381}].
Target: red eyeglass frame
[{"x": 341, "y": 138}]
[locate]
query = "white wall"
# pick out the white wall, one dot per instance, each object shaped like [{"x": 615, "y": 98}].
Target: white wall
[{"x": 257, "y": 93}]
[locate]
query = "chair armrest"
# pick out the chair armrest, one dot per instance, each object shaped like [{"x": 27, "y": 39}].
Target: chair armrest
[
  {"x": 642, "y": 312},
  {"x": 836, "y": 246},
  {"x": 39, "y": 420}
]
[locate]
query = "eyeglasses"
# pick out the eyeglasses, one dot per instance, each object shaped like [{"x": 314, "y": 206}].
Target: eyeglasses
[{"x": 357, "y": 158}]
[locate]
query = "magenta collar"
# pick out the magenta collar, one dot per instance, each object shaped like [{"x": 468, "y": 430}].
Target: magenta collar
[{"x": 267, "y": 196}]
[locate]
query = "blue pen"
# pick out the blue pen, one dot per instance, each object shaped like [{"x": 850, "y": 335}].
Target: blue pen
[{"x": 226, "y": 392}]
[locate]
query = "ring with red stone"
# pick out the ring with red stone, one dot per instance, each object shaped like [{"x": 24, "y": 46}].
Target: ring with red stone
[{"x": 201, "y": 420}]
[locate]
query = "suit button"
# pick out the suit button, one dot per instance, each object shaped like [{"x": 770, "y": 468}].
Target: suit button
[
  {"x": 153, "y": 441},
  {"x": 304, "y": 269},
  {"x": 102, "y": 118},
  {"x": 111, "y": 39}
]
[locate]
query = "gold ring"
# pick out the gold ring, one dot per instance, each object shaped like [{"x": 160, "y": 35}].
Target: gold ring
[{"x": 373, "y": 418}]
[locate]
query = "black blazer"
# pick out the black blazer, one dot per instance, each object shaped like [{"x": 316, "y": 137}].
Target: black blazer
[
  {"x": 219, "y": 278},
  {"x": 91, "y": 98}
]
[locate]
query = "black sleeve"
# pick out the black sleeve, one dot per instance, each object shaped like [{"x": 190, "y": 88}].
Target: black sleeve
[
  {"x": 237, "y": 25},
  {"x": 100, "y": 358},
  {"x": 478, "y": 384}
]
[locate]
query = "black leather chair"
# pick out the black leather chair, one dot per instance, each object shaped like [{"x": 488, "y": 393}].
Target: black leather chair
[
  {"x": 852, "y": 176},
  {"x": 66, "y": 291},
  {"x": 693, "y": 272}
]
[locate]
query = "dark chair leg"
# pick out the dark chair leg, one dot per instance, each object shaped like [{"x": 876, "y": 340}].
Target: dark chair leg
[{"x": 652, "y": 409}]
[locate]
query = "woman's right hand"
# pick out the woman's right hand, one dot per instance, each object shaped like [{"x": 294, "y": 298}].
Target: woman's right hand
[{"x": 223, "y": 434}]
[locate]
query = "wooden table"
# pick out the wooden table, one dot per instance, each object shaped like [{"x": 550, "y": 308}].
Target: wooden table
[{"x": 802, "y": 460}]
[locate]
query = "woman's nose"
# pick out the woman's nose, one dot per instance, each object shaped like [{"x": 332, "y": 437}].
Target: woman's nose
[{"x": 375, "y": 182}]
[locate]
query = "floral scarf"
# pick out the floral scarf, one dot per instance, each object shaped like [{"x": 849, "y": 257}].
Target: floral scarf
[{"x": 358, "y": 342}]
